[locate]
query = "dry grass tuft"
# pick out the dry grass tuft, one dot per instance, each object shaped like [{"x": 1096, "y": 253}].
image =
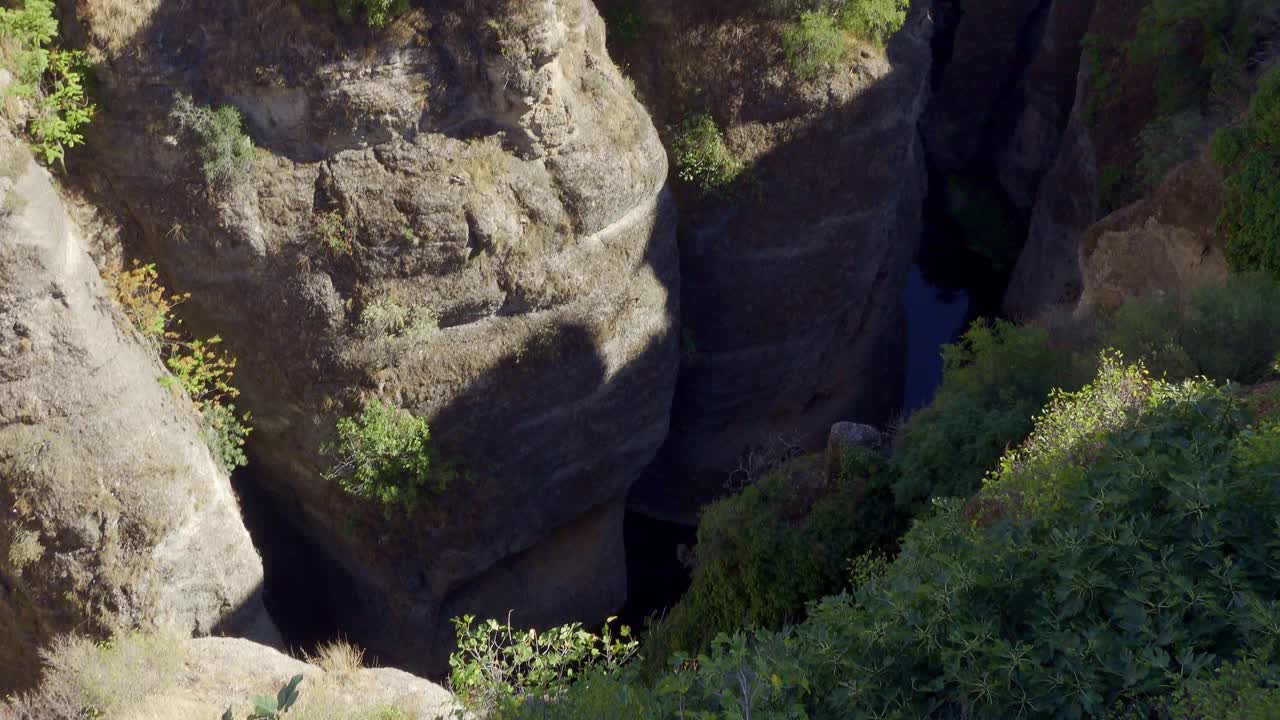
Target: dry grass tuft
[
  {"x": 338, "y": 657},
  {"x": 115, "y": 23}
]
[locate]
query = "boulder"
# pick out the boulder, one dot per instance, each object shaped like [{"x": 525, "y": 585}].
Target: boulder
[
  {"x": 164, "y": 677},
  {"x": 847, "y": 436}
]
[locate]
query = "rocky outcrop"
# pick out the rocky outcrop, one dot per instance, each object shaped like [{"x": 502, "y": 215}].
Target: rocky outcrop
[
  {"x": 792, "y": 287},
  {"x": 218, "y": 673},
  {"x": 113, "y": 513},
  {"x": 846, "y": 437},
  {"x": 463, "y": 215},
  {"x": 1167, "y": 242}
]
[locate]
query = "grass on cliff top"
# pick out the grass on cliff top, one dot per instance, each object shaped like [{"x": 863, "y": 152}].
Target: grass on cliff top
[{"x": 822, "y": 37}]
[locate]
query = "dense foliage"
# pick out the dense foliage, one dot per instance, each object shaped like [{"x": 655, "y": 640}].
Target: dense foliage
[
  {"x": 994, "y": 381},
  {"x": 52, "y": 79},
  {"x": 500, "y": 669},
  {"x": 782, "y": 542},
  {"x": 819, "y": 37},
  {"x": 1229, "y": 331},
  {"x": 225, "y": 151},
  {"x": 1251, "y": 153},
  {"x": 702, "y": 159},
  {"x": 1127, "y": 547},
  {"x": 385, "y": 454},
  {"x": 814, "y": 42}
]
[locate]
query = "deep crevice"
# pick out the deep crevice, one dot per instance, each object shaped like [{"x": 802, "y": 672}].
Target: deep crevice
[
  {"x": 656, "y": 575},
  {"x": 303, "y": 586}
]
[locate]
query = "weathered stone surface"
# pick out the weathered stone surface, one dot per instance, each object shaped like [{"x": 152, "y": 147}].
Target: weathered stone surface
[
  {"x": 1166, "y": 242},
  {"x": 223, "y": 672},
  {"x": 983, "y": 65},
  {"x": 113, "y": 513},
  {"x": 792, "y": 289},
  {"x": 846, "y": 436},
  {"x": 499, "y": 182},
  {"x": 159, "y": 677}
]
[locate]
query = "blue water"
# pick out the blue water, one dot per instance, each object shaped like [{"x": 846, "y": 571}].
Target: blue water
[{"x": 935, "y": 316}]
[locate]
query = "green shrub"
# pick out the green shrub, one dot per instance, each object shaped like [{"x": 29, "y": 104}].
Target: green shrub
[
  {"x": 1152, "y": 564},
  {"x": 766, "y": 552},
  {"x": 624, "y": 22},
  {"x": 386, "y": 455},
  {"x": 272, "y": 707},
  {"x": 200, "y": 368},
  {"x": 1184, "y": 38},
  {"x": 702, "y": 159},
  {"x": 377, "y": 13},
  {"x": 1144, "y": 571},
  {"x": 51, "y": 77},
  {"x": 500, "y": 669},
  {"x": 1166, "y": 142},
  {"x": 1229, "y": 331},
  {"x": 1251, "y": 216},
  {"x": 225, "y": 151},
  {"x": 814, "y": 42},
  {"x": 994, "y": 381},
  {"x": 874, "y": 20},
  {"x": 1246, "y": 690}
]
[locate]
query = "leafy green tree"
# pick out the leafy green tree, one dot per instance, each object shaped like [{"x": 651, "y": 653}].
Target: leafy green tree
[
  {"x": 52, "y": 77},
  {"x": 1251, "y": 154},
  {"x": 385, "y": 454}
]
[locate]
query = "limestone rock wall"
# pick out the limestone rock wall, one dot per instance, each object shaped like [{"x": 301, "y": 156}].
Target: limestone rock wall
[
  {"x": 511, "y": 277},
  {"x": 113, "y": 513},
  {"x": 792, "y": 313}
]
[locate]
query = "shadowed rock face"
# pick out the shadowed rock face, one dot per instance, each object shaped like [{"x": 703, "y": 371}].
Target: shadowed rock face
[
  {"x": 114, "y": 513},
  {"x": 1037, "y": 111},
  {"x": 505, "y": 199},
  {"x": 792, "y": 289},
  {"x": 985, "y": 63},
  {"x": 1070, "y": 198}
]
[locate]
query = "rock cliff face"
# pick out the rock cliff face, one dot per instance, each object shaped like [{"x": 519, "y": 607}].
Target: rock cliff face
[
  {"x": 988, "y": 43},
  {"x": 1071, "y": 197},
  {"x": 1166, "y": 242},
  {"x": 791, "y": 293},
  {"x": 115, "y": 515},
  {"x": 1037, "y": 111},
  {"x": 511, "y": 277}
]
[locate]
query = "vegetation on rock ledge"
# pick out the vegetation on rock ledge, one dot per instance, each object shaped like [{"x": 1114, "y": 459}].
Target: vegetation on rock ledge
[
  {"x": 385, "y": 454},
  {"x": 49, "y": 80}
]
